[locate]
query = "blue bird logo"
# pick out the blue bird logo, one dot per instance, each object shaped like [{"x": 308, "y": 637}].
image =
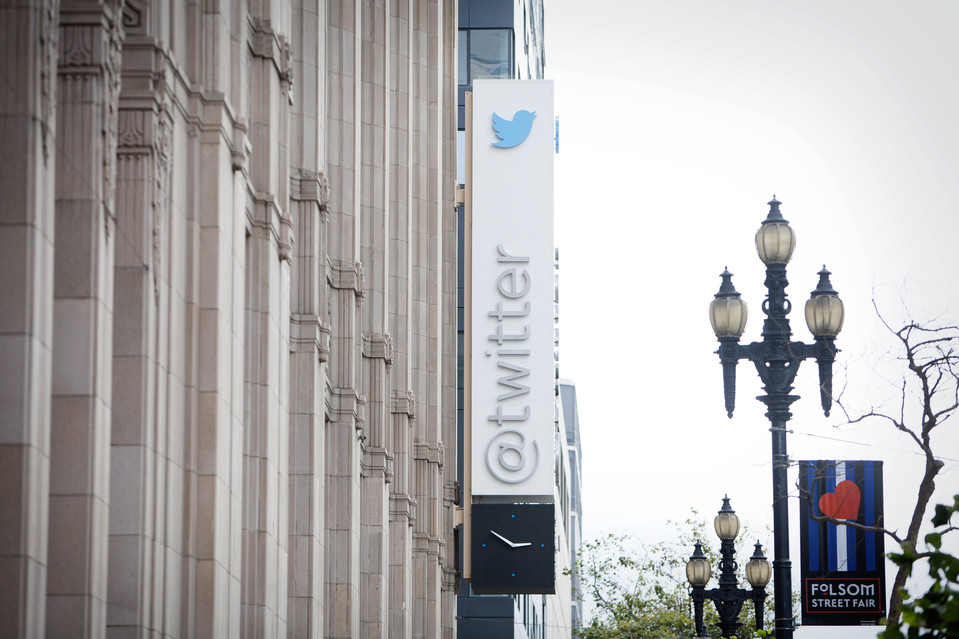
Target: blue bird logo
[{"x": 512, "y": 132}]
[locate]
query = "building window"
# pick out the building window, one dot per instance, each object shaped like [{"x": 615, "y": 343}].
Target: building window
[
  {"x": 462, "y": 56},
  {"x": 484, "y": 53}
]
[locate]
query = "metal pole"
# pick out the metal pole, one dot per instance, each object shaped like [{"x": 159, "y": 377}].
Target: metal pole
[
  {"x": 782, "y": 567},
  {"x": 777, "y": 366}
]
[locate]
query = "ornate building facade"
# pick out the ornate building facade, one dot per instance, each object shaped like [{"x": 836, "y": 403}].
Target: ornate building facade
[{"x": 228, "y": 328}]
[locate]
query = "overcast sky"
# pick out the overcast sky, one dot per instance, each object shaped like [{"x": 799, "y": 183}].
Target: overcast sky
[{"x": 679, "y": 120}]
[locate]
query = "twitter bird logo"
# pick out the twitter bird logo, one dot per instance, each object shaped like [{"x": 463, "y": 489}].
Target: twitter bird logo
[{"x": 512, "y": 132}]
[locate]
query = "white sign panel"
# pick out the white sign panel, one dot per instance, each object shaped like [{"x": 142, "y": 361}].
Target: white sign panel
[{"x": 512, "y": 288}]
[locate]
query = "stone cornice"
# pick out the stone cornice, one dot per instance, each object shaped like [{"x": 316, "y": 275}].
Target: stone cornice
[
  {"x": 376, "y": 346},
  {"x": 310, "y": 186},
  {"x": 265, "y": 43},
  {"x": 404, "y": 404}
]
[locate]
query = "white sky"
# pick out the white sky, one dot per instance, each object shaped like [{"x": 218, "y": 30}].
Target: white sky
[{"x": 679, "y": 119}]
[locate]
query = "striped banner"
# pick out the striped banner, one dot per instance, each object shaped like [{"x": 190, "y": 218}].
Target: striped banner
[{"x": 843, "y": 568}]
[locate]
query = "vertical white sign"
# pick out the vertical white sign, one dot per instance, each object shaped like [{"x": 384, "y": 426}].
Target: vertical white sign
[{"x": 512, "y": 288}]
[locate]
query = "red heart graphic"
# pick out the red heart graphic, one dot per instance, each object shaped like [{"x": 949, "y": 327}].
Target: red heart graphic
[{"x": 842, "y": 504}]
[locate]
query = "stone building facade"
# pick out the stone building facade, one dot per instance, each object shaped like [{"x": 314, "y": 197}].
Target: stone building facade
[{"x": 227, "y": 327}]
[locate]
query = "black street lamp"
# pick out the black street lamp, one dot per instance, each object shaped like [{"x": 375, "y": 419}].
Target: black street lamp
[
  {"x": 729, "y": 597},
  {"x": 777, "y": 361}
]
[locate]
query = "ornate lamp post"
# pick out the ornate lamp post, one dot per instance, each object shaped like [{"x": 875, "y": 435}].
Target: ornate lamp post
[
  {"x": 729, "y": 598},
  {"x": 777, "y": 361}
]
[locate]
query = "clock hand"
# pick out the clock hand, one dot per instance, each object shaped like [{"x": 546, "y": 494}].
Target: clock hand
[{"x": 511, "y": 544}]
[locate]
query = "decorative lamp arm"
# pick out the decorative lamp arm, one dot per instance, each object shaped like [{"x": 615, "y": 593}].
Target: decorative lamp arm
[
  {"x": 759, "y": 602},
  {"x": 729, "y": 357},
  {"x": 699, "y": 597},
  {"x": 825, "y": 355}
]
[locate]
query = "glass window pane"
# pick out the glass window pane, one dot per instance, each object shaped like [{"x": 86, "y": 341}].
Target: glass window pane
[
  {"x": 461, "y": 157},
  {"x": 462, "y": 61},
  {"x": 490, "y": 53}
]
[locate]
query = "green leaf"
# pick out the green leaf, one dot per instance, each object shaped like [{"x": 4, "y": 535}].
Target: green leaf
[
  {"x": 943, "y": 513},
  {"x": 891, "y": 632},
  {"x": 934, "y": 540}
]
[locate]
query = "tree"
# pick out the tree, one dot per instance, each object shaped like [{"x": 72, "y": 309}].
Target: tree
[
  {"x": 928, "y": 396},
  {"x": 642, "y": 593},
  {"x": 935, "y": 614},
  {"x": 632, "y": 600}
]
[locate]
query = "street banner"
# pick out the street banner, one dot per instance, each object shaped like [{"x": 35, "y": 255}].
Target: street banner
[
  {"x": 842, "y": 567},
  {"x": 512, "y": 291}
]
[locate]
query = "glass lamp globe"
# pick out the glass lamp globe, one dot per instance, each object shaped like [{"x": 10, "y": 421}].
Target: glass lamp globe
[
  {"x": 824, "y": 309},
  {"x": 775, "y": 239},
  {"x": 758, "y": 569},
  {"x": 726, "y": 522},
  {"x": 697, "y": 568},
  {"x": 727, "y": 311}
]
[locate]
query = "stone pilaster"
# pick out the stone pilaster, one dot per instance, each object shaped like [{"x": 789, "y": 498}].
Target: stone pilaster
[
  {"x": 140, "y": 442},
  {"x": 219, "y": 211},
  {"x": 309, "y": 351},
  {"x": 402, "y": 503},
  {"x": 266, "y": 445},
  {"x": 266, "y": 345},
  {"x": 343, "y": 433},
  {"x": 88, "y": 91},
  {"x": 347, "y": 404},
  {"x": 423, "y": 316},
  {"x": 377, "y": 474},
  {"x": 29, "y": 35},
  {"x": 374, "y": 168},
  {"x": 429, "y": 540},
  {"x": 309, "y": 321},
  {"x": 402, "y": 517}
]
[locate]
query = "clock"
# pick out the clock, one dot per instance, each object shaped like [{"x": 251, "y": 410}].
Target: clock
[{"x": 513, "y": 549}]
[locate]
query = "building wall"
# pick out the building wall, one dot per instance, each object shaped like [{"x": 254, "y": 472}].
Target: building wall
[{"x": 228, "y": 341}]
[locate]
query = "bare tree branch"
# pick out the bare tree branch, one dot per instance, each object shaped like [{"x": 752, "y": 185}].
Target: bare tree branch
[{"x": 928, "y": 396}]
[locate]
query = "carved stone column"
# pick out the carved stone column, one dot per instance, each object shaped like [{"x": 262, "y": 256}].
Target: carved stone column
[
  {"x": 402, "y": 517},
  {"x": 218, "y": 207},
  {"x": 374, "y": 166},
  {"x": 344, "y": 36},
  {"x": 266, "y": 433},
  {"x": 309, "y": 352},
  {"x": 29, "y": 35},
  {"x": 429, "y": 544},
  {"x": 266, "y": 393},
  {"x": 346, "y": 427},
  {"x": 140, "y": 440},
  {"x": 403, "y": 314},
  {"x": 89, "y": 82},
  {"x": 377, "y": 474}
]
